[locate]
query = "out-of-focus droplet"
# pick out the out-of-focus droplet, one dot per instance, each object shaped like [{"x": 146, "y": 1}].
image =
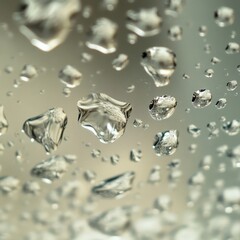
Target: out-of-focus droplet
[
  {"x": 213, "y": 130},
  {"x": 137, "y": 123},
  {"x": 66, "y": 92},
  {"x": 207, "y": 48},
  {"x": 28, "y": 72},
  {"x": 51, "y": 169},
  {"x": 202, "y": 30},
  {"x": 145, "y": 22},
  {"x": 135, "y": 155},
  {"x": 8, "y": 184},
  {"x": 175, "y": 33},
  {"x": 238, "y": 68},
  {"x": 116, "y": 186},
  {"x": 3, "y": 121},
  {"x": 232, "y": 85},
  {"x": 8, "y": 69},
  {"x": 162, "y": 107},
  {"x": 232, "y": 127},
  {"x": 232, "y": 48},
  {"x": 224, "y": 16},
  {"x": 221, "y": 103},
  {"x": 221, "y": 150},
  {"x": 201, "y": 98},
  {"x": 87, "y": 11},
  {"x": 154, "y": 175},
  {"x": 114, "y": 159},
  {"x": 102, "y": 36},
  {"x": 90, "y": 176},
  {"x": 47, "y": 128},
  {"x": 163, "y": 203},
  {"x": 166, "y": 143},
  {"x": 120, "y": 62},
  {"x": 209, "y": 73},
  {"x": 215, "y": 60},
  {"x": 206, "y": 162},
  {"x": 197, "y": 179},
  {"x": 159, "y": 63},
  {"x": 192, "y": 147},
  {"x": 132, "y": 38},
  {"x": 173, "y": 7},
  {"x": 70, "y": 76},
  {"x": 86, "y": 57},
  {"x": 104, "y": 116},
  {"x": 46, "y": 23},
  {"x": 109, "y": 5},
  {"x": 2, "y": 148},
  {"x": 96, "y": 153},
  {"x": 130, "y": 89},
  {"x": 194, "y": 130},
  {"x": 31, "y": 187}
]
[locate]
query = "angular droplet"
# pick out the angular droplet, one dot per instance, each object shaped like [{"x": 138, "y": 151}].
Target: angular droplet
[
  {"x": 232, "y": 85},
  {"x": 135, "y": 155},
  {"x": 8, "y": 184},
  {"x": 194, "y": 130},
  {"x": 102, "y": 36},
  {"x": 231, "y": 127},
  {"x": 70, "y": 76},
  {"x": 115, "y": 187},
  {"x": 166, "y": 142},
  {"x": 47, "y": 128},
  {"x": 3, "y": 121},
  {"x": 145, "y": 22},
  {"x": 31, "y": 187},
  {"x": 162, "y": 107},
  {"x": 46, "y": 23},
  {"x": 221, "y": 103},
  {"x": 175, "y": 33},
  {"x": 160, "y": 64},
  {"x": 120, "y": 62},
  {"x": 104, "y": 116},
  {"x": 224, "y": 16},
  {"x": 51, "y": 169},
  {"x": 232, "y": 48},
  {"x": 154, "y": 175},
  {"x": 28, "y": 72},
  {"x": 201, "y": 98}
]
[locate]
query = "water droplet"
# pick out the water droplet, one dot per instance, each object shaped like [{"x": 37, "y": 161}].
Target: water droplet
[
  {"x": 230, "y": 197},
  {"x": 232, "y": 48},
  {"x": 8, "y": 69},
  {"x": 173, "y": 7},
  {"x": 96, "y": 153},
  {"x": 110, "y": 5},
  {"x": 47, "y": 128},
  {"x": 234, "y": 155},
  {"x": 135, "y": 155},
  {"x": 137, "y": 123},
  {"x": 51, "y": 169},
  {"x": 206, "y": 162},
  {"x": 202, "y": 31},
  {"x": 145, "y": 22},
  {"x": 209, "y": 73},
  {"x": 31, "y": 187},
  {"x": 104, "y": 116},
  {"x": 162, "y": 107},
  {"x": 186, "y": 76},
  {"x": 130, "y": 89},
  {"x": 102, "y": 36},
  {"x": 70, "y": 76},
  {"x": 207, "y": 48},
  {"x": 215, "y": 60},
  {"x": 90, "y": 176},
  {"x": 201, "y": 98},
  {"x": 175, "y": 33},
  {"x": 66, "y": 92},
  {"x": 238, "y": 68},
  {"x": 160, "y": 64},
  {"x": 224, "y": 16},
  {"x": 166, "y": 143},
  {"x": 8, "y": 184},
  {"x": 87, "y": 12},
  {"x": 154, "y": 175},
  {"x": 28, "y": 72},
  {"x": 232, "y": 127},
  {"x": 194, "y": 130},
  {"x": 221, "y": 103},
  {"x": 163, "y": 203},
  {"x": 114, "y": 159},
  {"x": 175, "y": 163},
  {"x": 3, "y": 121},
  {"x": 197, "y": 179},
  {"x": 221, "y": 150},
  {"x": 193, "y": 147},
  {"x": 46, "y": 23},
  {"x": 213, "y": 130},
  {"x": 116, "y": 186},
  {"x": 86, "y": 57},
  {"x": 120, "y": 62},
  {"x": 2, "y": 148},
  {"x": 132, "y": 38},
  {"x": 232, "y": 85}
]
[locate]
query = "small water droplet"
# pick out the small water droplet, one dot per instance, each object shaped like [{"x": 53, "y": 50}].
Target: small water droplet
[
  {"x": 221, "y": 103},
  {"x": 154, "y": 175},
  {"x": 8, "y": 184},
  {"x": 232, "y": 48},
  {"x": 194, "y": 130},
  {"x": 3, "y": 121},
  {"x": 224, "y": 16},
  {"x": 209, "y": 73},
  {"x": 232, "y": 85},
  {"x": 231, "y": 127},
  {"x": 28, "y": 72},
  {"x": 70, "y": 76},
  {"x": 202, "y": 31},
  {"x": 120, "y": 62},
  {"x": 201, "y": 98},
  {"x": 175, "y": 33},
  {"x": 135, "y": 155}
]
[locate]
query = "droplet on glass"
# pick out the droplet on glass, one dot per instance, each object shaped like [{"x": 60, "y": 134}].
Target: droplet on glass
[
  {"x": 114, "y": 159},
  {"x": 192, "y": 148},
  {"x": 3, "y": 121},
  {"x": 194, "y": 130},
  {"x": 186, "y": 76},
  {"x": 213, "y": 130},
  {"x": 166, "y": 143},
  {"x": 160, "y": 64},
  {"x": 145, "y": 22},
  {"x": 209, "y": 73},
  {"x": 173, "y": 7},
  {"x": 202, "y": 30},
  {"x": 201, "y": 98},
  {"x": 206, "y": 162},
  {"x": 131, "y": 89},
  {"x": 162, "y": 107},
  {"x": 231, "y": 127},
  {"x": 87, "y": 11},
  {"x": 104, "y": 116},
  {"x": 232, "y": 85},
  {"x": 230, "y": 197},
  {"x": 232, "y": 48},
  {"x": 215, "y": 60},
  {"x": 135, "y": 155},
  {"x": 154, "y": 175},
  {"x": 47, "y": 128},
  {"x": 46, "y": 23},
  {"x": 96, "y": 153},
  {"x": 90, "y": 176},
  {"x": 224, "y": 16},
  {"x": 31, "y": 187},
  {"x": 132, "y": 38},
  {"x": 163, "y": 203},
  {"x": 102, "y": 36},
  {"x": 109, "y": 5},
  {"x": 28, "y": 72},
  {"x": 137, "y": 123},
  {"x": 120, "y": 62},
  {"x": 115, "y": 187},
  {"x": 70, "y": 76},
  {"x": 197, "y": 179},
  {"x": 86, "y": 57},
  {"x": 175, "y": 33},
  {"x": 221, "y": 103},
  {"x": 8, "y": 184},
  {"x": 8, "y": 69}
]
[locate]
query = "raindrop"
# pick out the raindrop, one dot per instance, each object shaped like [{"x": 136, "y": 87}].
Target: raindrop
[
  {"x": 232, "y": 48},
  {"x": 70, "y": 76},
  {"x": 194, "y": 130},
  {"x": 186, "y": 76},
  {"x": 162, "y": 107},
  {"x": 104, "y": 116},
  {"x": 221, "y": 103},
  {"x": 8, "y": 184},
  {"x": 120, "y": 62},
  {"x": 132, "y": 38},
  {"x": 3, "y": 121},
  {"x": 209, "y": 73},
  {"x": 232, "y": 127},
  {"x": 166, "y": 143},
  {"x": 160, "y": 64},
  {"x": 135, "y": 155},
  {"x": 115, "y": 187},
  {"x": 230, "y": 197},
  {"x": 175, "y": 33},
  {"x": 202, "y": 31},
  {"x": 28, "y": 72},
  {"x": 145, "y": 22},
  {"x": 154, "y": 175},
  {"x": 224, "y": 16},
  {"x": 47, "y": 128},
  {"x": 201, "y": 98},
  {"x": 232, "y": 85}
]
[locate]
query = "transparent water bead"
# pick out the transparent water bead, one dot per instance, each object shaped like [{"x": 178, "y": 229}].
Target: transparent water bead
[
  {"x": 174, "y": 7},
  {"x": 175, "y": 33},
  {"x": 47, "y": 128},
  {"x": 70, "y": 76},
  {"x": 209, "y": 73},
  {"x": 230, "y": 197},
  {"x": 202, "y": 30},
  {"x": 163, "y": 203},
  {"x": 197, "y": 179},
  {"x": 166, "y": 142},
  {"x": 31, "y": 187},
  {"x": 8, "y": 184},
  {"x": 115, "y": 187},
  {"x": 106, "y": 117},
  {"x": 201, "y": 98},
  {"x": 3, "y": 121},
  {"x": 110, "y": 5},
  {"x": 232, "y": 48},
  {"x": 46, "y": 23},
  {"x": 28, "y": 72},
  {"x": 120, "y": 62},
  {"x": 231, "y": 127},
  {"x": 102, "y": 36},
  {"x": 221, "y": 103},
  {"x": 162, "y": 107},
  {"x": 159, "y": 63},
  {"x": 135, "y": 155},
  {"x": 215, "y": 60},
  {"x": 232, "y": 85},
  {"x": 145, "y": 22},
  {"x": 154, "y": 175},
  {"x": 224, "y": 16},
  {"x": 51, "y": 169},
  {"x": 194, "y": 130}
]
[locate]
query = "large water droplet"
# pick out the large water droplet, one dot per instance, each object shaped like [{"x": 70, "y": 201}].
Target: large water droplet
[
  {"x": 145, "y": 22},
  {"x": 116, "y": 186},
  {"x": 224, "y": 16},
  {"x": 104, "y": 116},
  {"x": 201, "y": 98},
  {"x": 70, "y": 76},
  {"x": 46, "y": 23},
  {"x": 102, "y": 36},
  {"x": 160, "y": 64},
  {"x": 3, "y": 121},
  {"x": 47, "y": 128},
  {"x": 166, "y": 143}
]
